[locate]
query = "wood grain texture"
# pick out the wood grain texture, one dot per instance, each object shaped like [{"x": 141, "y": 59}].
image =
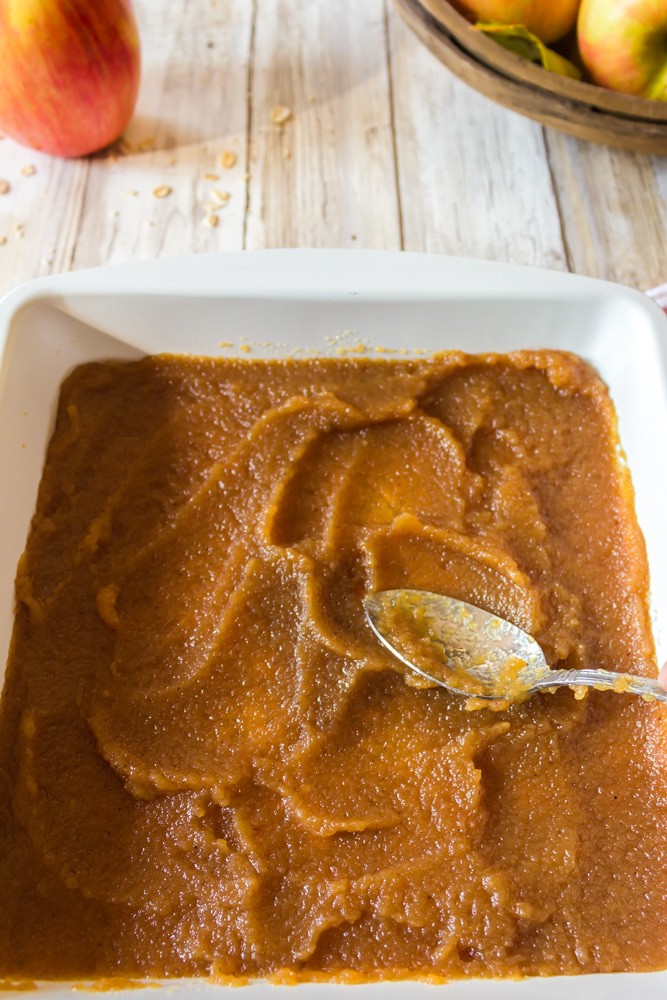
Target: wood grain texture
[
  {"x": 384, "y": 148},
  {"x": 474, "y": 179},
  {"x": 613, "y": 209},
  {"x": 40, "y": 228},
  {"x": 192, "y": 107},
  {"x": 325, "y": 178}
]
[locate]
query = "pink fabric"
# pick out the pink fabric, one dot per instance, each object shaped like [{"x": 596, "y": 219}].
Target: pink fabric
[{"x": 659, "y": 294}]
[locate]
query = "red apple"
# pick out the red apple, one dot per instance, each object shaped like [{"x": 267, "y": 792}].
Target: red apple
[
  {"x": 70, "y": 72},
  {"x": 623, "y": 44},
  {"x": 548, "y": 19}
]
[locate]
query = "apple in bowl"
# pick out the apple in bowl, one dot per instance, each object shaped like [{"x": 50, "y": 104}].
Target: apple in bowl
[
  {"x": 70, "y": 72},
  {"x": 623, "y": 45},
  {"x": 548, "y": 19}
]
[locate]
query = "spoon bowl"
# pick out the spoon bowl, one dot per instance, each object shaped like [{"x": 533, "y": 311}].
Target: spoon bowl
[{"x": 477, "y": 654}]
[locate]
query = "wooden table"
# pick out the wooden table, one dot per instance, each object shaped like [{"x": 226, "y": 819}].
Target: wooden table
[{"x": 376, "y": 145}]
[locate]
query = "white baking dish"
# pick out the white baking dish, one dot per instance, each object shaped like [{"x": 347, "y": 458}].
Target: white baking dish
[{"x": 282, "y": 302}]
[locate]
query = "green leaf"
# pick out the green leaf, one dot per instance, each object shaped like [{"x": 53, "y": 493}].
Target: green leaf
[{"x": 517, "y": 38}]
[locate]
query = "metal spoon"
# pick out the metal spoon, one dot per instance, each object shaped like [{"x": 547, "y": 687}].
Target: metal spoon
[{"x": 477, "y": 654}]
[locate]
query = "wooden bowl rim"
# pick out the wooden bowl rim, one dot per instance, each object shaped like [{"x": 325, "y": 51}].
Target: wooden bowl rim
[
  {"x": 647, "y": 136},
  {"x": 496, "y": 57}
]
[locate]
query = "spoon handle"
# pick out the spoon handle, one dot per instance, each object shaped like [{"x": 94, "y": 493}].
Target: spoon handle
[{"x": 621, "y": 683}]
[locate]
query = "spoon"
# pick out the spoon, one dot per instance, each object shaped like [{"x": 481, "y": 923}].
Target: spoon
[{"x": 477, "y": 654}]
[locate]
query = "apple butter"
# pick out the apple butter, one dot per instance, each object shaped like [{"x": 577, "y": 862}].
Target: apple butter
[{"x": 208, "y": 763}]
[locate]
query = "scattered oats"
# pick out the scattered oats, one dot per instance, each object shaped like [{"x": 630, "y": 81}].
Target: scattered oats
[
  {"x": 280, "y": 114},
  {"x": 212, "y": 220},
  {"x": 246, "y": 348},
  {"x": 358, "y": 349},
  {"x": 163, "y": 191},
  {"x": 287, "y": 153},
  {"x": 225, "y": 343},
  {"x": 212, "y": 206},
  {"x": 5, "y": 187},
  {"x": 130, "y": 192},
  {"x": 228, "y": 159},
  {"x": 29, "y": 170},
  {"x": 211, "y": 177},
  {"x": 19, "y": 229},
  {"x": 126, "y": 147},
  {"x": 146, "y": 145},
  {"x": 221, "y": 196},
  {"x": 3, "y": 240},
  {"x": 246, "y": 176}
]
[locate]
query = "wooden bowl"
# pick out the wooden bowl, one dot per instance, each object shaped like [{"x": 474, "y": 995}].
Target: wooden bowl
[{"x": 581, "y": 109}]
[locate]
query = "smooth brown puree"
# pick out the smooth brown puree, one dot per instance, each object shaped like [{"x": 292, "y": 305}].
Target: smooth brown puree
[{"x": 207, "y": 762}]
